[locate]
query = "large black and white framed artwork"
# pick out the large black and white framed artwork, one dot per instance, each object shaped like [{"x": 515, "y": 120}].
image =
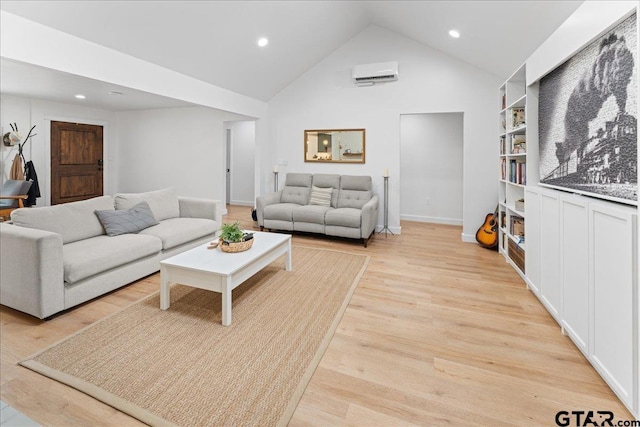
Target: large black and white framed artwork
[{"x": 588, "y": 115}]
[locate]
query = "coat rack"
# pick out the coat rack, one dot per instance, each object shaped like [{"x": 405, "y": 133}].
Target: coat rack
[
  {"x": 20, "y": 168},
  {"x": 9, "y": 137}
]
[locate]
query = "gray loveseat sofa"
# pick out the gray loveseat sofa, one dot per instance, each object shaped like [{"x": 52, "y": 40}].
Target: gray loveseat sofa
[
  {"x": 57, "y": 257},
  {"x": 334, "y": 205}
]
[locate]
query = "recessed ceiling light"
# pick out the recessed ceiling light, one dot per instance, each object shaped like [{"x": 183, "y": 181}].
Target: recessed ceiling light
[
  {"x": 80, "y": 96},
  {"x": 262, "y": 42},
  {"x": 115, "y": 92},
  {"x": 454, "y": 34}
]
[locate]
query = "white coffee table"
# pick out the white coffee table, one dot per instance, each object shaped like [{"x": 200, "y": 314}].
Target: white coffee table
[{"x": 222, "y": 272}]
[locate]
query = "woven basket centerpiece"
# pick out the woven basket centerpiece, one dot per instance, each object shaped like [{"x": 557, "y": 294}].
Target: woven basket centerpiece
[{"x": 233, "y": 247}]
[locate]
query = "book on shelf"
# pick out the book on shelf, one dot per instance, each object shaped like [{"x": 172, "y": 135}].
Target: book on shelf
[
  {"x": 504, "y": 168},
  {"x": 517, "y": 172},
  {"x": 503, "y": 145},
  {"x": 504, "y": 101}
]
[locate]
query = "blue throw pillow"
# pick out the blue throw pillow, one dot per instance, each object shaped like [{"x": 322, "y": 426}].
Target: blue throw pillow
[{"x": 117, "y": 222}]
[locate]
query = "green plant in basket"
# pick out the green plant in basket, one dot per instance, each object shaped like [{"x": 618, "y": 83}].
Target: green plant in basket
[{"x": 231, "y": 233}]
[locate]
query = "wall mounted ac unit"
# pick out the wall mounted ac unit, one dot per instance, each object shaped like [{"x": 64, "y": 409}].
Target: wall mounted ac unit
[{"x": 368, "y": 74}]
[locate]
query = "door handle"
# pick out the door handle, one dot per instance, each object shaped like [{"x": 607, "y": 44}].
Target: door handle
[{"x": 100, "y": 162}]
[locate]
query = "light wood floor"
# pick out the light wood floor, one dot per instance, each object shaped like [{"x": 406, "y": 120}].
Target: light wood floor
[{"x": 438, "y": 332}]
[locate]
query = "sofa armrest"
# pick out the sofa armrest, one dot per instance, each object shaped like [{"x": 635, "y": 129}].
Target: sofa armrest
[
  {"x": 264, "y": 201},
  {"x": 369, "y": 216},
  {"x": 201, "y": 208},
  {"x": 32, "y": 277}
]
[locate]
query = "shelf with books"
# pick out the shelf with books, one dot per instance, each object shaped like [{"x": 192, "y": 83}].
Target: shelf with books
[{"x": 512, "y": 140}]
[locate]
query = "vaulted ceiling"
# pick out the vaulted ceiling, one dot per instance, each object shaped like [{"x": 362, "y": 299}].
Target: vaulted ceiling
[{"x": 215, "y": 41}]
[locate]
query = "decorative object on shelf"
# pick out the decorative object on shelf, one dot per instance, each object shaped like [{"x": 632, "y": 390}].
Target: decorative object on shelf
[
  {"x": 517, "y": 117},
  {"x": 517, "y": 226},
  {"x": 385, "y": 228},
  {"x": 518, "y": 144},
  {"x": 588, "y": 140},
  {"x": 234, "y": 239},
  {"x": 334, "y": 145},
  {"x": 519, "y": 205}
]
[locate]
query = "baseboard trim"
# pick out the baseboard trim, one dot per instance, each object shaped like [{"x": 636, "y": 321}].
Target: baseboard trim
[
  {"x": 468, "y": 238},
  {"x": 241, "y": 203},
  {"x": 432, "y": 219}
]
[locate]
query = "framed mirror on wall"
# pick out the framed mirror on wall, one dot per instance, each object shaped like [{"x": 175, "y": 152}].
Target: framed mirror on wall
[{"x": 334, "y": 145}]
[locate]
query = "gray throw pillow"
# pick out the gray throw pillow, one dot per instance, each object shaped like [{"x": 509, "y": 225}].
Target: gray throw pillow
[{"x": 116, "y": 222}]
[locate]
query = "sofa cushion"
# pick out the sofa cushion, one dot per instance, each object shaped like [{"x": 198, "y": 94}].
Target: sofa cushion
[
  {"x": 163, "y": 203},
  {"x": 73, "y": 221},
  {"x": 344, "y": 217},
  {"x": 297, "y": 188},
  {"x": 320, "y": 196},
  {"x": 88, "y": 257},
  {"x": 280, "y": 211},
  {"x": 310, "y": 213},
  {"x": 176, "y": 231},
  {"x": 116, "y": 222},
  {"x": 355, "y": 191},
  {"x": 355, "y": 182}
]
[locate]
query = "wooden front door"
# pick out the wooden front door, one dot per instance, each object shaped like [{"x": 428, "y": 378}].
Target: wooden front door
[{"x": 76, "y": 162}]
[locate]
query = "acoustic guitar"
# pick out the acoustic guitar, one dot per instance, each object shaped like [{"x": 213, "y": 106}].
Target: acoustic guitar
[{"x": 487, "y": 234}]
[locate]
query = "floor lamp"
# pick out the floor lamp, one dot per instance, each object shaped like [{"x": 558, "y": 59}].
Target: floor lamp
[
  {"x": 275, "y": 178},
  {"x": 386, "y": 230}
]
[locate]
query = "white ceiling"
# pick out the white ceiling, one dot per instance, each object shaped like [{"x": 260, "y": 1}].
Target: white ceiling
[
  {"x": 31, "y": 81},
  {"x": 215, "y": 41}
]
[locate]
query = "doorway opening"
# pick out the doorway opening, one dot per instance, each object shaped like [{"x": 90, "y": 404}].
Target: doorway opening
[
  {"x": 240, "y": 139},
  {"x": 431, "y": 160}
]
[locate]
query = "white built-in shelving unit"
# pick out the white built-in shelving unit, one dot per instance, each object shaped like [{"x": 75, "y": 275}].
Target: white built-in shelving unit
[
  {"x": 513, "y": 169},
  {"x": 580, "y": 256}
]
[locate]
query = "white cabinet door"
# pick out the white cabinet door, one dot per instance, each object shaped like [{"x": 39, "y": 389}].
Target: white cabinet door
[
  {"x": 575, "y": 272},
  {"x": 613, "y": 340},
  {"x": 532, "y": 233},
  {"x": 550, "y": 279}
]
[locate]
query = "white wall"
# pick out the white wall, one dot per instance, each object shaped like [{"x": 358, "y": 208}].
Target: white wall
[
  {"x": 243, "y": 139},
  {"x": 431, "y": 152},
  {"x": 183, "y": 148},
  {"x": 429, "y": 82},
  {"x": 27, "y": 112}
]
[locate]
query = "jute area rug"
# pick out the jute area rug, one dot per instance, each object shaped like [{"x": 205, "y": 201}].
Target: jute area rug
[{"x": 182, "y": 367}]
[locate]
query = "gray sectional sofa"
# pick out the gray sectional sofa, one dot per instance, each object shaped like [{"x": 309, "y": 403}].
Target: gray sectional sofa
[
  {"x": 334, "y": 205},
  {"x": 57, "y": 257}
]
